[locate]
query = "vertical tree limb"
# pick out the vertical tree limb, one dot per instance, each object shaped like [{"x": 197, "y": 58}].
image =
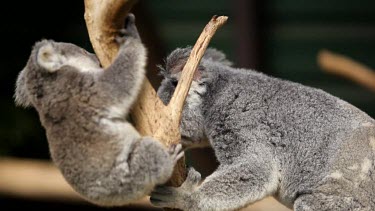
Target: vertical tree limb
[
  {"x": 104, "y": 18},
  {"x": 177, "y": 101},
  {"x": 151, "y": 116}
]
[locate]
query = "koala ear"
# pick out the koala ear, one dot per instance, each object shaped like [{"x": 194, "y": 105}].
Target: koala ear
[
  {"x": 21, "y": 96},
  {"x": 49, "y": 58},
  {"x": 176, "y": 61},
  {"x": 216, "y": 56},
  {"x": 198, "y": 73}
]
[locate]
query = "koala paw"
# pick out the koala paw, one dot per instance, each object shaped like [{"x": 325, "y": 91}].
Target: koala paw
[
  {"x": 129, "y": 30},
  {"x": 192, "y": 180},
  {"x": 180, "y": 198},
  {"x": 176, "y": 152}
]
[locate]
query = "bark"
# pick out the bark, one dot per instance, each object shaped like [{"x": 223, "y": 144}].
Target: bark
[{"x": 104, "y": 18}]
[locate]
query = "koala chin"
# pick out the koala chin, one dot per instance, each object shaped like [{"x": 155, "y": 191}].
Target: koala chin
[
  {"x": 83, "y": 109},
  {"x": 272, "y": 137}
]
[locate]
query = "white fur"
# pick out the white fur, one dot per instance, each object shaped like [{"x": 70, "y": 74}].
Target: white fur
[
  {"x": 336, "y": 175},
  {"x": 52, "y": 60},
  {"x": 193, "y": 98},
  {"x": 84, "y": 64},
  {"x": 365, "y": 167},
  {"x": 367, "y": 124},
  {"x": 363, "y": 174},
  {"x": 49, "y": 59},
  {"x": 372, "y": 143},
  {"x": 353, "y": 167}
]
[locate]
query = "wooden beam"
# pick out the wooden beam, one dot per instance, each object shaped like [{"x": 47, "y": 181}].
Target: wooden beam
[{"x": 41, "y": 180}]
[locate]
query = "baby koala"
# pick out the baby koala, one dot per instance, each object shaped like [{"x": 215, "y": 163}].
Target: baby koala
[
  {"x": 305, "y": 147},
  {"x": 83, "y": 109}
]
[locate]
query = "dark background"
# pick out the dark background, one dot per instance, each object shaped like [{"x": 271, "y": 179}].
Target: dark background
[{"x": 279, "y": 37}]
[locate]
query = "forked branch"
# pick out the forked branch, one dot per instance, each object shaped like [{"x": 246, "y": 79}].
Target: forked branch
[
  {"x": 177, "y": 102},
  {"x": 104, "y": 18}
]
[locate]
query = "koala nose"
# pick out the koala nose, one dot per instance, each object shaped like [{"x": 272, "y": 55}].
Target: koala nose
[{"x": 174, "y": 82}]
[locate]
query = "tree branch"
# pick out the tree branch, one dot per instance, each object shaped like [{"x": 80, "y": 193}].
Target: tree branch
[
  {"x": 344, "y": 66},
  {"x": 104, "y": 19},
  {"x": 151, "y": 117},
  {"x": 41, "y": 180},
  {"x": 177, "y": 102}
]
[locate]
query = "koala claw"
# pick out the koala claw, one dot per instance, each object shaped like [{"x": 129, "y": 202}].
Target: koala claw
[
  {"x": 192, "y": 180},
  {"x": 165, "y": 196},
  {"x": 129, "y": 29},
  {"x": 176, "y": 152},
  {"x": 130, "y": 19}
]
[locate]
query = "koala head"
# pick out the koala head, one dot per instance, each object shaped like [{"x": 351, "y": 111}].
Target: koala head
[
  {"x": 192, "y": 124},
  {"x": 175, "y": 62},
  {"x": 48, "y": 61}
]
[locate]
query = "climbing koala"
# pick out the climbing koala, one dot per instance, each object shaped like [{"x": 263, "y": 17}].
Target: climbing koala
[
  {"x": 307, "y": 148},
  {"x": 83, "y": 109}
]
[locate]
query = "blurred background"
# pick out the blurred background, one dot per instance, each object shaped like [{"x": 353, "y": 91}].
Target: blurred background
[{"x": 279, "y": 37}]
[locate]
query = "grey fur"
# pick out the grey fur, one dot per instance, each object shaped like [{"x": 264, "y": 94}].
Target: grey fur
[
  {"x": 305, "y": 147},
  {"x": 83, "y": 109}
]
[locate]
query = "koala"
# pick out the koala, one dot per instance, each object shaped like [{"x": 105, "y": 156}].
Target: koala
[
  {"x": 271, "y": 137},
  {"x": 83, "y": 109}
]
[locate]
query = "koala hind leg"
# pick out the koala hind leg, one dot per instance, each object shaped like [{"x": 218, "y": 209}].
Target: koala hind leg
[
  {"x": 149, "y": 164},
  {"x": 152, "y": 162},
  {"x": 323, "y": 202}
]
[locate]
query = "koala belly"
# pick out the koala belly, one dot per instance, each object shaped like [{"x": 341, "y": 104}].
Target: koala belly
[
  {"x": 349, "y": 178},
  {"x": 353, "y": 171},
  {"x": 348, "y": 173}
]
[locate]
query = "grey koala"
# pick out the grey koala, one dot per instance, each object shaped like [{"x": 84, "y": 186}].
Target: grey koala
[
  {"x": 307, "y": 148},
  {"x": 83, "y": 109}
]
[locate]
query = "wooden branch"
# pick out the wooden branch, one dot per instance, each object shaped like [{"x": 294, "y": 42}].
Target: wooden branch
[
  {"x": 164, "y": 121},
  {"x": 34, "y": 179},
  {"x": 177, "y": 102},
  {"x": 41, "y": 180},
  {"x": 150, "y": 115},
  {"x": 104, "y": 19},
  {"x": 167, "y": 124},
  {"x": 344, "y": 66}
]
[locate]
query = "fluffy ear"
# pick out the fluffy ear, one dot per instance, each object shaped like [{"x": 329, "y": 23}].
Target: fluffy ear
[
  {"x": 216, "y": 56},
  {"x": 176, "y": 61},
  {"x": 49, "y": 58},
  {"x": 21, "y": 96}
]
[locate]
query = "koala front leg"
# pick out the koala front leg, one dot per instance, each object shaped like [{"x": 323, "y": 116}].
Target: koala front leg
[
  {"x": 228, "y": 188},
  {"x": 123, "y": 78}
]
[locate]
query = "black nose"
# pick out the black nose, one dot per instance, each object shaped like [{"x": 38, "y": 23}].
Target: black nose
[
  {"x": 130, "y": 19},
  {"x": 174, "y": 82}
]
